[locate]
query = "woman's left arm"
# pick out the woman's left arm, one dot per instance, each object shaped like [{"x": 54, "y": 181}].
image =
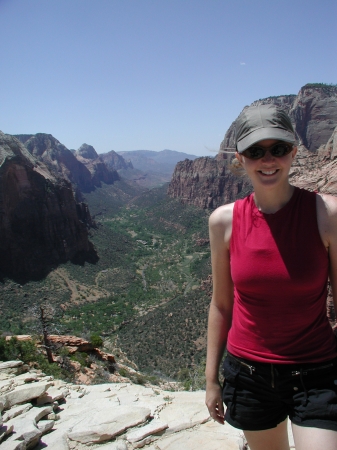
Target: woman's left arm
[{"x": 327, "y": 224}]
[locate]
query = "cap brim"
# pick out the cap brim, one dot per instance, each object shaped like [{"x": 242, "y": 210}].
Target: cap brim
[{"x": 265, "y": 133}]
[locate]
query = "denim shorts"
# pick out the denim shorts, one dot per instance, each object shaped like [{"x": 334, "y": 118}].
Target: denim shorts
[{"x": 259, "y": 396}]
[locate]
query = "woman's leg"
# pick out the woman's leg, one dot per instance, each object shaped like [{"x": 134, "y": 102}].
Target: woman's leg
[
  {"x": 307, "y": 438},
  {"x": 272, "y": 439}
]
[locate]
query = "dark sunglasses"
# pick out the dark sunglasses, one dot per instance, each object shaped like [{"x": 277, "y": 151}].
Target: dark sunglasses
[{"x": 278, "y": 150}]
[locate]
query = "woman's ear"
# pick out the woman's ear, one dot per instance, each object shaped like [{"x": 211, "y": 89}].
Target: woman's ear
[
  {"x": 293, "y": 152},
  {"x": 238, "y": 157}
]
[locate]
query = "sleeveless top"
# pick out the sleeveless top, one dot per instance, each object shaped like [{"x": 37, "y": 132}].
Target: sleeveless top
[{"x": 279, "y": 267}]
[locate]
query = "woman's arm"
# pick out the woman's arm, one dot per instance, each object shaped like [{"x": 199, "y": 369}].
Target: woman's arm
[
  {"x": 327, "y": 224},
  {"x": 220, "y": 313}
]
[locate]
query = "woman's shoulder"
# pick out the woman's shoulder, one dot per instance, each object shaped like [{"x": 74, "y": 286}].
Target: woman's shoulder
[
  {"x": 330, "y": 202},
  {"x": 327, "y": 216},
  {"x": 222, "y": 216}
]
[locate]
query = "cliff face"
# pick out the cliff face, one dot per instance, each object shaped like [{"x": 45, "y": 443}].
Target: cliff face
[
  {"x": 115, "y": 161},
  {"x": 208, "y": 182},
  {"x": 39, "y": 218},
  {"x": 83, "y": 169},
  {"x": 314, "y": 115},
  {"x": 99, "y": 171}
]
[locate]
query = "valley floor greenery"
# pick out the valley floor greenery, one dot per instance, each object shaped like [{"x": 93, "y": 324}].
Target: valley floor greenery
[{"x": 145, "y": 290}]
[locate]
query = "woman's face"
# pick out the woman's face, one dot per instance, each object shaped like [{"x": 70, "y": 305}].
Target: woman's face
[{"x": 269, "y": 170}]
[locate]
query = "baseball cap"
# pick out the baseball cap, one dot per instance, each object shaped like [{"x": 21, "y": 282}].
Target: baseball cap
[{"x": 262, "y": 122}]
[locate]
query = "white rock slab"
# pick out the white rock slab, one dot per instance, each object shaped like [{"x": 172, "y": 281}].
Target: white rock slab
[
  {"x": 6, "y": 384},
  {"x": 206, "y": 437},
  {"x": 5, "y": 430},
  {"x": 45, "y": 426},
  {"x": 13, "y": 445},
  {"x": 35, "y": 414},
  {"x": 10, "y": 364},
  {"x": 116, "y": 445},
  {"x": 25, "y": 393},
  {"x": 180, "y": 416},
  {"x": 106, "y": 424},
  {"x": 155, "y": 426},
  {"x": 27, "y": 377},
  {"x": 25, "y": 429},
  {"x": 16, "y": 411},
  {"x": 53, "y": 394},
  {"x": 55, "y": 440}
]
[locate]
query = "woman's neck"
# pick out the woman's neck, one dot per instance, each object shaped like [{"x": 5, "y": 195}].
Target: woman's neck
[{"x": 270, "y": 201}]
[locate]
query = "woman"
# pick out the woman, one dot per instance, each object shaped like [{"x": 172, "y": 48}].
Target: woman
[{"x": 272, "y": 253}]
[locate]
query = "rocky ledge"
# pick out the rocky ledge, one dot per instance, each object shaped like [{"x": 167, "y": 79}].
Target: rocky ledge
[{"x": 38, "y": 412}]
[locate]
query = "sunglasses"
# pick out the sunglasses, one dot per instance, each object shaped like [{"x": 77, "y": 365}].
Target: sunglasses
[{"x": 278, "y": 150}]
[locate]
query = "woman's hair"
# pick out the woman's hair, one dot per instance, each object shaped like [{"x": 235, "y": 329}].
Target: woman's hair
[{"x": 236, "y": 167}]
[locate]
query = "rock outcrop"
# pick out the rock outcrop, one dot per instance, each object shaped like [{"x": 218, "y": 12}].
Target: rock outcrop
[
  {"x": 84, "y": 169},
  {"x": 40, "y": 222},
  {"x": 208, "y": 182},
  {"x": 100, "y": 172},
  {"x": 115, "y": 161},
  {"x": 40, "y": 412}
]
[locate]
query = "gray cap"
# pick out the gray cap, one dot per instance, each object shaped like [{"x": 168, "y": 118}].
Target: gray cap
[{"x": 262, "y": 122}]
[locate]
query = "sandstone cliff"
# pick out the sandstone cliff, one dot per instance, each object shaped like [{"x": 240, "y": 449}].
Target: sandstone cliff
[
  {"x": 40, "y": 223},
  {"x": 83, "y": 169},
  {"x": 99, "y": 170}
]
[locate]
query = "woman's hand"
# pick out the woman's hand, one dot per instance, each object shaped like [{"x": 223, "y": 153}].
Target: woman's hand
[{"x": 214, "y": 402}]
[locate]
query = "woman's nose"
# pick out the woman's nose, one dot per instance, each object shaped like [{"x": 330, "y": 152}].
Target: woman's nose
[{"x": 268, "y": 156}]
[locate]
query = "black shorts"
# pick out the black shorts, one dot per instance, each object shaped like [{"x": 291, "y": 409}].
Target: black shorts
[{"x": 259, "y": 396}]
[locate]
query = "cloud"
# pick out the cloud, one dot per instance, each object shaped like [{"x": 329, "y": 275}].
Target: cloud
[{"x": 242, "y": 63}]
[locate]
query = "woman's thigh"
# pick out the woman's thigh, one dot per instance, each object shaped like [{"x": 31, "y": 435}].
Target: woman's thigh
[
  {"x": 309, "y": 438},
  {"x": 272, "y": 439}
]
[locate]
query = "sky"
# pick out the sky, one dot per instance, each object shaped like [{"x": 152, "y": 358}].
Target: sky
[{"x": 155, "y": 74}]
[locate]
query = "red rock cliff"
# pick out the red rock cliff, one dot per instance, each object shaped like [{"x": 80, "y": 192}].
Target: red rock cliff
[{"x": 39, "y": 218}]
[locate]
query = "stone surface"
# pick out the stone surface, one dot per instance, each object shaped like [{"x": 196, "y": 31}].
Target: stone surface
[
  {"x": 25, "y": 393},
  {"x": 105, "y": 424},
  {"x": 10, "y": 364},
  {"x": 26, "y": 430},
  {"x": 13, "y": 445},
  {"x": 153, "y": 427},
  {"x": 16, "y": 411},
  {"x": 114, "y": 416}
]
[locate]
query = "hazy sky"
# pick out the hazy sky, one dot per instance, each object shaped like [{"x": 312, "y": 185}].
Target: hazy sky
[{"x": 155, "y": 74}]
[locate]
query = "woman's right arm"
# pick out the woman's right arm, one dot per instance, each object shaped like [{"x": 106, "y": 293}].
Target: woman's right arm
[{"x": 220, "y": 313}]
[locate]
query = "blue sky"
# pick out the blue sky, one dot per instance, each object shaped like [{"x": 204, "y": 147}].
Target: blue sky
[{"x": 155, "y": 74}]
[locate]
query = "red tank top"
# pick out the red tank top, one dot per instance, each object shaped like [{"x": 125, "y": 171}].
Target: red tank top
[{"x": 279, "y": 267}]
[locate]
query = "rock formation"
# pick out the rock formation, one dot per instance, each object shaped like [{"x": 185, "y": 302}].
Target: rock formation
[
  {"x": 115, "y": 161},
  {"x": 99, "y": 170},
  {"x": 59, "y": 160},
  {"x": 83, "y": 169},
  {"x": 40, "y": 223},
  {"x": 40, "y": 412}
]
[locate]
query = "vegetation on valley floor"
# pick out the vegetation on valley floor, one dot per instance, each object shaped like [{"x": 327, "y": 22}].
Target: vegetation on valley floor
[{"x": 145, "y": 288}]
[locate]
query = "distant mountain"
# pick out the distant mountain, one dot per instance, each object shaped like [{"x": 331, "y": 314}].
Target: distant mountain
[
  {"x": 148, "y": 168},
  {"x": 150, "y": 161}
]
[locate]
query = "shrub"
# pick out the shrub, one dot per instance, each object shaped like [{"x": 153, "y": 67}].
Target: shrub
[{"x": 96, "y": 340}]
